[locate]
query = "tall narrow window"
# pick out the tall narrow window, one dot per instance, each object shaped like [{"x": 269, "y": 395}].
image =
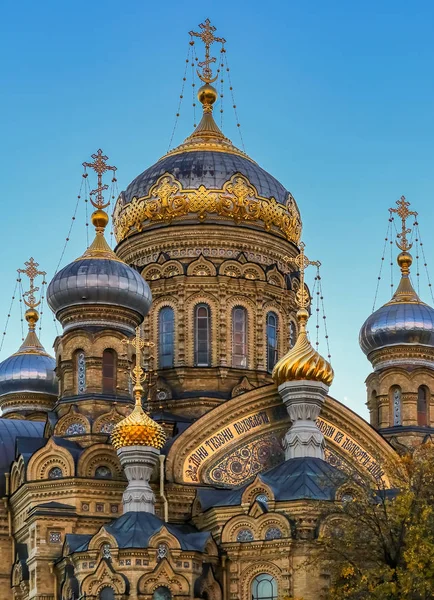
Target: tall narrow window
[
  {"x": 396, "y": 404},
  {"x": 202, "y": 334},
  {"x": 271, "y": 340},
  {"x": 166, "y": 335},
  {"x": 109, "y": 372},
  {"x": 239, "y": 337},
  {"x": 264, "y": 587},
  {"x": 80, "y": 370},
  {"x": 422, "y": 417},
  {"x": 162, "y": 593}
]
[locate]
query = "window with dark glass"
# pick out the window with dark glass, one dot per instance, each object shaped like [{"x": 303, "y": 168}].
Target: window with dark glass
[
  {"x": 264, "y": 587},
  {"x": 396, "y": 405},
  {"x": 162, "y": 593},
  {"x": 109, "y": 372},
  {"x": 166, "y": 337},
  {"x": 271, "y": 340},
  {"x": 202, "y": 334},
  {"x": 239, "y": 337},
  {"x": 422, "y": 417},
  {"x": 107, "y": 593}
]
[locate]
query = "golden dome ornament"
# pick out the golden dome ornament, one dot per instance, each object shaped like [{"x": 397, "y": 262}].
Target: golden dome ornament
[
  {"x": 302, "y": 362},
  {"x": 138, "y": 429}
]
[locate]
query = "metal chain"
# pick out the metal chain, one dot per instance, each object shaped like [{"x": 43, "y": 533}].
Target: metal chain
[
  {"x": 234, "y": 106},
  {"x": 21, "y": 308},
  {"x": 329, "y": 356},
  {"x": 386, "y": 239},
  {"x": 425, "y": 264},
  {"x": 8, "y": 315},
  {"x": 181, "y": 96}
]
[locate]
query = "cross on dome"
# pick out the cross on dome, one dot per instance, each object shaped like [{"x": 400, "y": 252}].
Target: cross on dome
[
  {"x": 100, "y": 166},
  {"x": 32, "y": 272},
  {"x": 208, "y": 38},
  {"x": 403, "y": 213}
]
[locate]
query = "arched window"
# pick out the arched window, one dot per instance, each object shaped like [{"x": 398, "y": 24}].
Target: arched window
[
  {"x": 103, "y": 472},
  {"x": 80, "y": 372},
  {"x": 162, "y": 593},
  {"x": 264, "y": 587},
  {"x": 55, "y": 473},
  {"x": 245, "y": 535},
  {"x": 396, "y": 405},
  {"x": 292, "y": 334},
  {"x": 422, "y": 413},
  {"x": 107, "y": 593},
  {"x": 166, "y": 337},
  {"x": 109, "y": 372},
  {"x": 202, "y": 335},
  {"x": 239, "y": 337},
  {"x": 272, "y": 323},
  {"x": 273, "y": 533}
]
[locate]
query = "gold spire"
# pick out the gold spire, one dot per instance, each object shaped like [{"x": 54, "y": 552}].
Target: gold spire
[
  {"x": 99, "y": 247},
  {"x": 31, "y": 344},
  {"x": 405, "y": 291},
  {"x": 207, "y": 135},
  {"x": 302, "y": 362},
  {"x": 138, "y": 429}
]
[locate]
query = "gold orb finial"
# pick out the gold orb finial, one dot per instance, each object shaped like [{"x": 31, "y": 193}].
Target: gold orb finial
[
  {"x": 207, "y": 95},
  {"x": 138, "y": 429},
  {"x": 32, "y": 317},
  {"x": 404, "y": 260},
  {"x": 99, "y": 219}
]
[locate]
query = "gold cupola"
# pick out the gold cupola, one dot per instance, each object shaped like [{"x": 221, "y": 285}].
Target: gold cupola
[
  {"x": 138, "y": 429},
  {"x": 302, "y": 362}
]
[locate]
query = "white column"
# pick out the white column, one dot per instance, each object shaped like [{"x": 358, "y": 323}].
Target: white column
[{"x": 138, "y": 463}]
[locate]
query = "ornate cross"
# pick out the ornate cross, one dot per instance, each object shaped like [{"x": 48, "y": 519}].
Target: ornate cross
[
  {"x": 403, "y": 213},
  {"x": 138, "y": 374},
  {"x": 302, "y": 262},
  {"x": 100, "y": 167},
  {"x": 207, "y": 36},
  {"x": 32, "y": 272}
]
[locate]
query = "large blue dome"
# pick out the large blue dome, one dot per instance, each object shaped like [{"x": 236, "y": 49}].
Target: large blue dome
[{"x": 205, "y": 167}]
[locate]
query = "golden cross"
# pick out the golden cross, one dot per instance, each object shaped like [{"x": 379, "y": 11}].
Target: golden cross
[
  {"x": 138, "y": 374},
  {"x": 302, "y": 262},
  {"x": 32, "y": 272},
  {"x": 100, "y": 167},
  {"x": 403, "y": 213},
  {"x": 208, "y": 38}
]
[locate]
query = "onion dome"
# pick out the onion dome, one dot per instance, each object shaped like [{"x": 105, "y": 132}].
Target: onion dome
[
  {"x": 99, "y": 277},
  {"x": 207, "y": 179},
  {"x": 138, "y": 429},
  {"x": 302, "y": 362},
  {"x": 31, "y": 370},
  {"x": 405, "y": 319}
]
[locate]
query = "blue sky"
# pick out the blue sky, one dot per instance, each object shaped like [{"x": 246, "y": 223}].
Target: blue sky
[{"x": 335, "y": 99}]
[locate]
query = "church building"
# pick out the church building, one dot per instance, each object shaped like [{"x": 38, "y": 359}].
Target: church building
[{"x": 178, "y": 444}]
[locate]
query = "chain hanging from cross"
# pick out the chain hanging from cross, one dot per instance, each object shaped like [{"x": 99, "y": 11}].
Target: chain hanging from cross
[
  {"x": 32, "y": 272},
  {"x": 100, "y": 166},
  {"x": 208, "y": 38},
  {"x": 302, "y": 262},
  {"x": 138, "y": 374},
  {"x": 403, "y": 213}
]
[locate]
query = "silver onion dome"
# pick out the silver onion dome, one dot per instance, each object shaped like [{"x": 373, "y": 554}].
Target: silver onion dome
[
  {"x": 28, "y": 373},
  {"x": 99, "y": 277},
  {"x": 405, "y": 319},
  {"x": 99, "y": 281}
]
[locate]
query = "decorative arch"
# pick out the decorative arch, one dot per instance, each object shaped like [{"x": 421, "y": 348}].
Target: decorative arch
[
  {"x": 249, "y": 574},
  {"x": 275, "y": 278},
  {"x": 172, "y": 268},
  {"x": 152, "y": 272},
  {"x": 47, "y": 458},
  {"x": 96, "y": 456},
  {"x": 256, "y": 488},
  {"x": 207, "y": 584},
  {"x": 104, "y": 576},
  {"x": 164, "y": 537},
  {"x": 105, "y": 422},
  {"x": 100, "y": 538},
  {"x": 201, "y": 267},
  {"x": 73, "y": 423},
  {"x": 253, "y": 272},
  {"x": 17, "y": 474},
  {"x": 163, "y": 575},
  {"x": 231, "y": 268}
]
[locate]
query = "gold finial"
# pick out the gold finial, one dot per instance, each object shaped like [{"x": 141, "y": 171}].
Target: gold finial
[
  {"x": 138, "y": 429},
  {"x": 403, "y": 213},
  {"x": 208, "y": 38},
  {"x": 31, "y": 270},
  {"x": 302, "y": 362},
  {"x": 100, "y": 167}
]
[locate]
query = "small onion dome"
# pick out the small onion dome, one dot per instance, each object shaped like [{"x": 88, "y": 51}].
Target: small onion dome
[
  {"x": 405, "y": 319},
  {"x": 138, "y": 429},
  {"x": 302, "y": 362},
  {"x": 31, "y": 369},
  {"x": 99, "y": 277}
]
